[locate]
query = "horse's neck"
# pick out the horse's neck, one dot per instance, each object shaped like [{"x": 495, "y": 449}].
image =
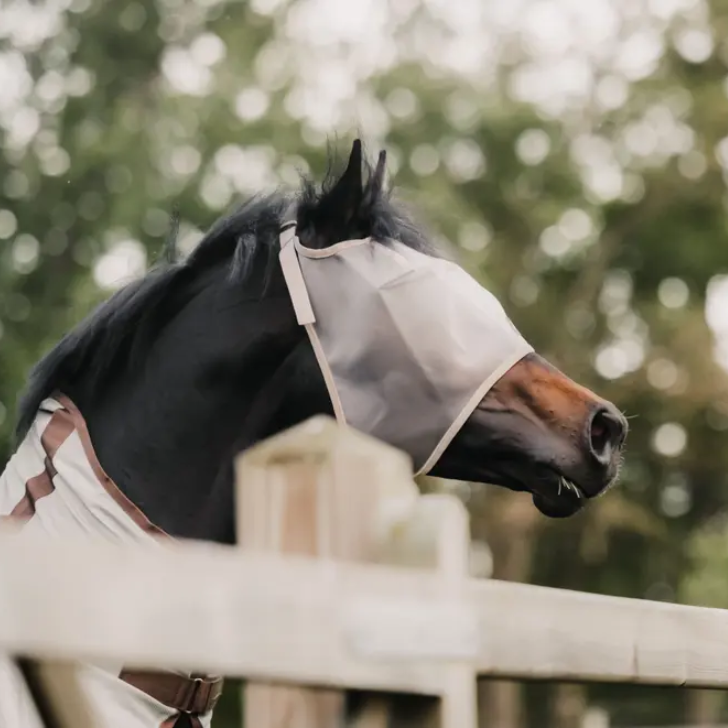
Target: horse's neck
[{"x": 167, "y": 436}]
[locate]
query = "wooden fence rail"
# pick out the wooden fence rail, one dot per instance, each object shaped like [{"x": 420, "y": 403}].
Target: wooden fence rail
[{"x": 343, "y": 579}]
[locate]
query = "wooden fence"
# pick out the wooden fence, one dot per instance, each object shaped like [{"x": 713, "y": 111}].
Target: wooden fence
[{"x": 344, "y": 579}]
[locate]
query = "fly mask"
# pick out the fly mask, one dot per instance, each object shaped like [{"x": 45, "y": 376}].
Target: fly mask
[{"x": 408, "y": 344}]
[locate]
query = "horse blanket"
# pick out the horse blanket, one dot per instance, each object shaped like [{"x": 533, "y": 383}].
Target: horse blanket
[{"x": 54, "y": 485}]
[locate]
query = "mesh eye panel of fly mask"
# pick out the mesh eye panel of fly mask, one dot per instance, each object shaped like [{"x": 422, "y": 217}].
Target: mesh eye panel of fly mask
[{"x": 408, "y": 344}]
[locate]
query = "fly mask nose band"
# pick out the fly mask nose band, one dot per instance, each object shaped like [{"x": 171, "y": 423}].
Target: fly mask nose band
[{"x": 408, "y": 344}]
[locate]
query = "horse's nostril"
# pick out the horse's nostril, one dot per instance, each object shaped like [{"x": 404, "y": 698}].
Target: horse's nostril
[
  {"x": 599, "y": 434},
  {"x": 606, "y": 433}
]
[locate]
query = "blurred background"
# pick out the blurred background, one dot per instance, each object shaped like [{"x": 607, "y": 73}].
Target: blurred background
[{"x": 574, "y": 151}]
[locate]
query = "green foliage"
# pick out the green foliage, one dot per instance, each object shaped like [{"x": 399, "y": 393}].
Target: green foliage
[{"x": 705, "y": 582}]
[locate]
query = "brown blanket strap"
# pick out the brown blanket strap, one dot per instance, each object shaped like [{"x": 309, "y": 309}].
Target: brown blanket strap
[{"x": 195, "y": 695}]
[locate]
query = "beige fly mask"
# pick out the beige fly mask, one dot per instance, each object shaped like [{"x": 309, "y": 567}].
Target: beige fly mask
[{"x": 408, "y": 344}]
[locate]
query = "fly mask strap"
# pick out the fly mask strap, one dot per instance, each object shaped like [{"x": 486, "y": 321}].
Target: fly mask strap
[
  {"x": 298, "y": 292},
  {"x": 294, "y": 277}
]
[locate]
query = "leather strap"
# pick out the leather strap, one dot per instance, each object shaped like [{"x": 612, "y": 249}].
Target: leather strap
[{"x": 195, "y": 694}]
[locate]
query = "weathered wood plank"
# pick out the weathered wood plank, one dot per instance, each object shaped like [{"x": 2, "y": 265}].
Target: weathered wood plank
[
  {"x": 565, "y": 635},
  {"x": 242, "y": 606},
  {"x": 416, "y": 630}
]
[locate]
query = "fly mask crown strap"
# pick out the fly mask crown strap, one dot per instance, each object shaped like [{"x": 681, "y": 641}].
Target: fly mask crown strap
[
  {"x": 297, "y": 290},
  {"x": 292, "y": 273}
]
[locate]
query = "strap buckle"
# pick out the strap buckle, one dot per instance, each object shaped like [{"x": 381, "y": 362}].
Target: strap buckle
[{"x": 200, "y": 694}]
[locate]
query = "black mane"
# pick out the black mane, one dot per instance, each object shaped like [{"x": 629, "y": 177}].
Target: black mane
[{"x": 121, "y": 330}]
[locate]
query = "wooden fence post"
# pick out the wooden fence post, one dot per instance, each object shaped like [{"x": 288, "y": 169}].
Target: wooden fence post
[
  {"x": 331, "y": 492},
  {"x": 313, "y": 490}
]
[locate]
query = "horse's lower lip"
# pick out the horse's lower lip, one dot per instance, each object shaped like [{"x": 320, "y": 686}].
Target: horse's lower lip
[
  {"x": 559, "y": 507},
  {"x": 564, "y": 499},
  {"x": 557, "y": 496}
]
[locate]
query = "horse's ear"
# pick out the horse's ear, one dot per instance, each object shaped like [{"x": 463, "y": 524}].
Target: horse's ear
[
  {"x": 345, "y": 197},
  {"x": 376, "y": 184},
  {"x": 343, "y": 212}
]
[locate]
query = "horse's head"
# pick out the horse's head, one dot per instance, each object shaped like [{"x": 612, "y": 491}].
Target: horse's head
[
  {"x": 412, "y": 353},
  {"x": 395, "y": 340}
]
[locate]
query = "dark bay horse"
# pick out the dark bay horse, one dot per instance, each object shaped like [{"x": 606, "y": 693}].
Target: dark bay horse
[{"x": 198, "y": 360}]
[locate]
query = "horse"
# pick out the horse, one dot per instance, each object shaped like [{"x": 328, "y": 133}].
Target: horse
[{"x": 326, "y": 299}]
